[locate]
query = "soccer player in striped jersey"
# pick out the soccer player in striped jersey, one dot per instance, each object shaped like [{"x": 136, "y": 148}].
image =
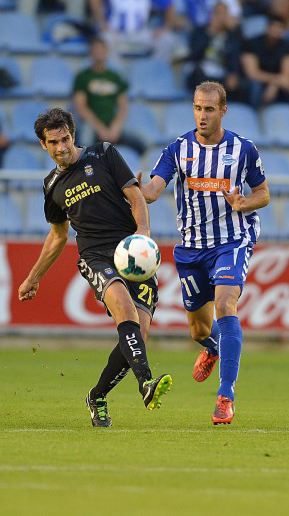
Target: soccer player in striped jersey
[{"x": 219, "y": 227}]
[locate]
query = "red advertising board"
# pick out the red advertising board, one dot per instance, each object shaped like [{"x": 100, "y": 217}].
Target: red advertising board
[{"x": 65, "y": 300}]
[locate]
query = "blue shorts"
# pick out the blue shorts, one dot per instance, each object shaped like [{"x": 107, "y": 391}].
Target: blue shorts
[{"x": 200, "y": 270}]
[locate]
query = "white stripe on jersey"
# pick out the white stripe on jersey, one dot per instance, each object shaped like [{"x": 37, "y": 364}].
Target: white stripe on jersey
[
  {"x": 220, "y": 197},
  {"x": 202, "y": 212},
  {"x": 233, "y": 177}
]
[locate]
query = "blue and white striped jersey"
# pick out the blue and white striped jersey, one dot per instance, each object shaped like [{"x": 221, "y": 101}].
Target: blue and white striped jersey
[{"x": 204, "y": 218}]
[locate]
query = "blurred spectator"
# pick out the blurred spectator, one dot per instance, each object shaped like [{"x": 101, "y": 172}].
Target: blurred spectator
[
  {"x": 200, "y": 11},
  {"x": 4, "y": 143},
  {"x": 125, "y": 24},
  {"x": 254, "y": 7},
  {"x": 281, "y": 8},
  {"x": 51, "y": 6},
  {"x": 265, "y": 62},
  {"x": 215, "y": 53},
  {"x": 101, "y": 102}
]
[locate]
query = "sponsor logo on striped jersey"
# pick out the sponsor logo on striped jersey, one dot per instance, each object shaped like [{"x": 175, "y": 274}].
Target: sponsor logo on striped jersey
[{"x": 211, "y": 184}]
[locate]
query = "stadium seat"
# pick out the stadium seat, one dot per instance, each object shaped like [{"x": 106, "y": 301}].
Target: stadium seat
[
  {"x": 19, "y": 32},
  {"x": 178, "y": 119},
  {"x": 24, "y": 115},
  {"x": 275, "y": 123},
  {"x": 153, "y": 79},
  {"x": 142, "y": 122},
  {"x": 21, "y": 161},
  {"x": 10, "y": 216},
  {"x": 15, "y": 72},
  {"x": 151, "y": 157},
  {"x": 131, "y": 157},
  {"x": 52, "y": 76},
  {"x": 8, "y": 5},
  {"x": 274, "y": 221},
  {"x": 276, "y": 167},
  {"x": 35, "y": 222},
  {"x": 275, "y": 164},
  {"x": 3, "y": 122},
  {"x": 162, "y": 219},
  {"x": 66, "y": 41},
  {"x": 243, "y": 120}
]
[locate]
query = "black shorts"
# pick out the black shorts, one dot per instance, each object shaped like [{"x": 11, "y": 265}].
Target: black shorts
[{"x": 97, "y": 267}]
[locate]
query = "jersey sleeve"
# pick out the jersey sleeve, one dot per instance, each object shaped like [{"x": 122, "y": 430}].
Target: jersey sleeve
[
  {"x": 255, "y": 170},
  {"x": 53, "y": 213},
  {"x": 119, "y": 168},
  {"x": 165, "y": 167}
]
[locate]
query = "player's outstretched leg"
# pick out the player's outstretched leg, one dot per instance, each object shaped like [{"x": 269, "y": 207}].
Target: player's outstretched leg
[
  {"x": 153, "y": 390},
  {"x": 115, "y": 370},
  {"x": 133, "y": 348},
  {"x": 98, "y": 411}
]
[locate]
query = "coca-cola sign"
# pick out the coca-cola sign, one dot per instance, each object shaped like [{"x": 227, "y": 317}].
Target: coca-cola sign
[{"x": 65, "y": 299}]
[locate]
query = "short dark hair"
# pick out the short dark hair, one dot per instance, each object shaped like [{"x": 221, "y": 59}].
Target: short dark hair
[
  {"x": 55, "y": 118},
  {"x": 210, "y": 86}
]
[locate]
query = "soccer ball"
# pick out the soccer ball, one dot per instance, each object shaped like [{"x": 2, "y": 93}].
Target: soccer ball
[{"x": 137, "y": 258}]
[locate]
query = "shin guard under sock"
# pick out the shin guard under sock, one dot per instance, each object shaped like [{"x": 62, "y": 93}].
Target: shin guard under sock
[
  {"x": 133, "y": 349},
  {"x": 230, "y": 345},
  {"x": 116, "y": 369}
]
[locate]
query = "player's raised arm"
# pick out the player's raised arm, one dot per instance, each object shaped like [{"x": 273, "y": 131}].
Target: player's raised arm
[
  {"x": 152, "y": 190},
  {"x": 52, "y": 248}
]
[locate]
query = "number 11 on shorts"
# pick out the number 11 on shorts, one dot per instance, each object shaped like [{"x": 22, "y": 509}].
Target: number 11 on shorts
[{"x": 193, "y": 284}]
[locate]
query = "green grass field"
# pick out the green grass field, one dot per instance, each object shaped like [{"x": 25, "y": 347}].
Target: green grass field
[{"x": 167, "y": 462}]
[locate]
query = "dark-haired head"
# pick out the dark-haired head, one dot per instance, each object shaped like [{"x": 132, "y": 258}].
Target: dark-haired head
[{"x": 55, "y": 118}]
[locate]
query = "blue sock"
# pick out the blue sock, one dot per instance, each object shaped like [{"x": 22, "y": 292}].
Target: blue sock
[
  {"x": 211, "y": 342},
  {"x": 230, "y": 345}
]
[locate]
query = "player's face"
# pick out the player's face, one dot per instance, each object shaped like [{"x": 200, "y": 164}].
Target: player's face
[
  {"x": 60, "y": 145},
  {"x": 208, "y": 115}
]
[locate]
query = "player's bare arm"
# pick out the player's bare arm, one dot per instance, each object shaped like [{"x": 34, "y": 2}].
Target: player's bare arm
[
  {"x": 52, "y": 248},
  {"x": 139, "y": 209},
  {"x": 152, "y": 190},
  {"x": 258, "y": 198}
]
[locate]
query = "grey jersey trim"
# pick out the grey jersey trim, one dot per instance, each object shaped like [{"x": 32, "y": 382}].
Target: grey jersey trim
[{"x": 132, "y": 181}]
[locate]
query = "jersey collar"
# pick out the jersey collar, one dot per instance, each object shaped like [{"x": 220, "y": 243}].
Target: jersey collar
[{"x": 216, "y": 145}]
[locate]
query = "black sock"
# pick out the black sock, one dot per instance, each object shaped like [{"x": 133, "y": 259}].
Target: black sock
[
  {"x": 115, "y": 370},
  {"x": 133, "y": 349}
]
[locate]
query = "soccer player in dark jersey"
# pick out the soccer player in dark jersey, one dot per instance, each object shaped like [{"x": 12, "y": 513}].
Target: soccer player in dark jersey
[
  {"x": 219, "y": 227},
  {"x": 94, "y": 189}
]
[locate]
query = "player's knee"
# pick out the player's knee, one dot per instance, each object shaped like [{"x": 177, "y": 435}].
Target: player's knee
[
  {"x": 199, "y": 332},
  {"x": 225, "y": 307}
]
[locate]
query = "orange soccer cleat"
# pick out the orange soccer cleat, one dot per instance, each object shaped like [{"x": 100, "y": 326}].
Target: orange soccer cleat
[
  {"x": 224, "y": 411},
  {"x": 204, "y": 365}
]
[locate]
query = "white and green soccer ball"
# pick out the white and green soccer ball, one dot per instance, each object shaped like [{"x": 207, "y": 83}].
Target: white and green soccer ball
[{"x": 137, "y": 258}]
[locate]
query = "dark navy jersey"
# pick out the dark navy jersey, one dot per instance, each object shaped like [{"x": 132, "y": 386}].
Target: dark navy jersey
[{"x": 89, "y": 194}]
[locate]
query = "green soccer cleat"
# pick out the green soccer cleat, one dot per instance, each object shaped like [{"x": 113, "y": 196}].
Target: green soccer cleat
[
  {"x": 154, "y": 389},
  {"x": 98, "y": 411}
]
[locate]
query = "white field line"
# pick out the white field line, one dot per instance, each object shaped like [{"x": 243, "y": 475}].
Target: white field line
[{"x": 140, "y": 469}]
